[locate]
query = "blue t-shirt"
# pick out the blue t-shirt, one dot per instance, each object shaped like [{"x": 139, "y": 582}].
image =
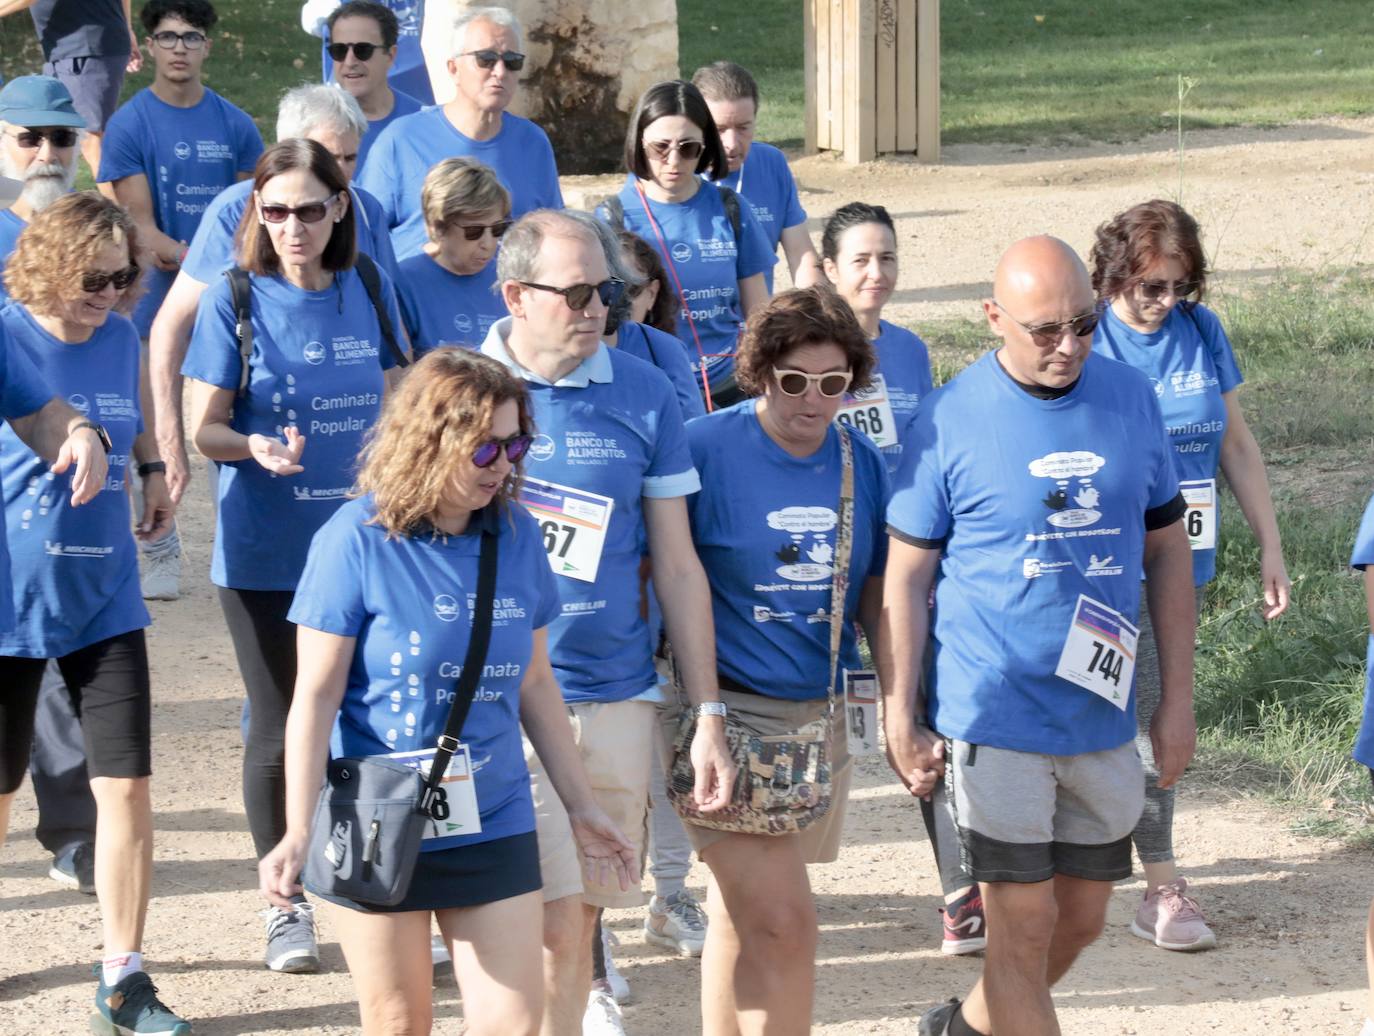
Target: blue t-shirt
[
  {"x": 1036, "y": 502},
  {"x": 408, "y": 72},
  {"x": 1361, "y": 558},
  {"x": 188, "y": 156},
  {"x": 666, "y": 353},
  {"x": 520, "y": 155},
  {"x": 766, "y": 181},
  {"x": 317, "y": 363},
  {"x": 1190, "y": 362},
  {"x": 212, "y": 249},
  {"x": 904, "y": 366},
  {"x": 765, "y": 527},
  {"x": 74, "y": 569},
  {"x": 409, "y": 602},
  {"x": 709, "y": 262},
  {"x": 11, "y": 226},
  {"x": 22, "y": 392},
  {"x": 611, "y": 428},
  {"x": 403, "y": 104},
  {"x": 443, "y": 308}
]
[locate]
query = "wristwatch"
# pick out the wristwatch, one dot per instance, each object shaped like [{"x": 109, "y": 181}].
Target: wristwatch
[
  {"x": 100, "y": 434},
  {"x": 711, "y": 708},
  {"x": 150, "y": 467}
]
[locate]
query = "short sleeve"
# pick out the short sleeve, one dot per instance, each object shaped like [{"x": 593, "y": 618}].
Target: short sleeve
[
  {"x": 213, "y": 356},
  {"x": 379, "y": 246},
  {"x": 551, "y": 192},
  {"x": 1363, "y": 553},
  {"x": 121, "y": 148},
  {"x": 22, "y": 389},
  {"x": 877, "y": 488},
  {"x": 1164, "y": 487},
  {"x": 671, "y": 472},
  {"x": 212, "y": 245},
  {"x": 248, "y": 145},
  {"x": 755, "y": 254},
  {"x": 537, "y": 573},
  {"x": 409, "y": 305},
  {"x": 920, "y": 505},
  {"x": 329, "y": 596},
  {"x": 393, "y": 311},
  {"x": 792, "y": 212},
  {"x": 379, "y": 176},
  {"x": 1219, "y": 347}
]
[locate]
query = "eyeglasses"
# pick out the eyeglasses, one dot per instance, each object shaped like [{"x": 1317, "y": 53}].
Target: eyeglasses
[
  {"x": 515, "y": 446},
  {"x": 474, "y": 231},
  {"x": 363, "y": 51},
  {"x": 310, "y": 212},
  {"x": 661, "y": 149},
  {"x": 579, "y": 296},
  {"x": 168, "y": 40},
  {"x": 488, "y": 58},
  {"x": 1047, "y": 335},
  {"x": 795, "y": 383},
  {"x": 1153, "y": 291},
  {"x": 58, "y": 136},
  {"x": 94, "y": 281}
]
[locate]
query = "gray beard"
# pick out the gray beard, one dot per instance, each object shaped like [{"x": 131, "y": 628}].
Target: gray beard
[{"x": 43, "y": 184}]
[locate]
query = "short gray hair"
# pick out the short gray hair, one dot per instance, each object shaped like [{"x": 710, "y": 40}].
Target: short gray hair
[
  {"x": 610, "y": 244},
  {"x": 319, "y": 106},
  {"x": 518, "y": 259},
  {"x": 496, "y": 15}
]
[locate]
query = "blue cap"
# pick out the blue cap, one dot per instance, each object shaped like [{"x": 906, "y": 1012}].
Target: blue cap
[{"x": 38, "y": 101}]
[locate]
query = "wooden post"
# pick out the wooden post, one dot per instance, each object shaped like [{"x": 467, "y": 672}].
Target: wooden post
[
  {"x": 928, "y": 81},
  {"x": 906, "y": 75},
  {"x": 810, "y": 59},
  {"x": 887, "y": 76},
  {"x": 838, "y": 115},
  {"x": 823, "y": 112}
]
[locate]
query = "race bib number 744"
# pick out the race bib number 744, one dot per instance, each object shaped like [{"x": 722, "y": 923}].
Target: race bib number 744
[{"x": 1099, "y": 652}]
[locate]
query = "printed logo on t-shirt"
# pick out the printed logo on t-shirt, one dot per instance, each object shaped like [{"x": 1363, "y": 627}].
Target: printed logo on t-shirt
[
  {"x": 319, "y": 492},
  {"x": 181, "y": 149},
  {"x": 542, "y": 448},
  {"x": 314, "y": 353},
  {"x": 1034, "y": 568},
  {"x": 408, "y": 15},
  {"x": 463, "y": 323},
  {"x": 58, "y": 549},
  {"x": 716, "y": 250},
  {"x": 446, "y": 607},
  {"x": 1158, "y": 386},
  {"x": 1195, "y": 436},
  {"x": 807, "y": 555},
  {"x": 1190, "y": 383},
  {"x": 762, "y": 613},
  {"x": 682, "y": 252},
  {"x": 1102, "y": 567},
  {"x": 350, "y": 351},
  {"x": 584, "y": 448},
  {"x": 1073, "y": 499},
  {"x": 80, "y": 404}
]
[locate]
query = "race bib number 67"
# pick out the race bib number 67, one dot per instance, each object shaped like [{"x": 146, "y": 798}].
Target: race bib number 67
[
  {"x": 1099, "y": 652},
  {"x": 574, "y": 524}
]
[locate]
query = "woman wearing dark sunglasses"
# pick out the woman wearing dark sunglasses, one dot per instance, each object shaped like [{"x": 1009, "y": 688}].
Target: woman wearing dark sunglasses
[
  {"x": 448, "y": 291},
  {"x": 1148, "y": 273},
  {"x": 382, "y": 612},
  {"x": 73, "y": 281},
  {"x": 285, "y": 432},
  {"x": 765, "y": 526},
  {"x": 715, "y": 257}
]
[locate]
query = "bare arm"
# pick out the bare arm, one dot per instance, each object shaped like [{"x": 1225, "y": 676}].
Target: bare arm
[
  {"x": 753, "y": 292},
  {"x": 1243, "y": 465},
  {"x": 212, "y": 410},
  {"x": 801, "y": 255},
  {"x": 132, "y": 192},
  {"x": 52, "y": 433},
  {"x": 1173, "y": 614},
  {"x": 167, "y": 344},
  {"x": 135, "y": 55},
  {"x": 914, "y": 751},
  {"x": 15, "y": 6},
  {"x": 158, "y": 509}
]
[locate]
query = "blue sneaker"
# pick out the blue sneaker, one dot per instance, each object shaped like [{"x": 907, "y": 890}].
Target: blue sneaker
[{"x": 132, "y": 1008}]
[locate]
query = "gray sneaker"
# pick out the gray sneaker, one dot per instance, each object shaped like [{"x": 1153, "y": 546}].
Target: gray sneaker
[
  {"x": 676, "y": 923},
  {"x": 74, "y": 867},
  {"x": 291, "y": 945},
  {"x": 935, "y": 1022}
]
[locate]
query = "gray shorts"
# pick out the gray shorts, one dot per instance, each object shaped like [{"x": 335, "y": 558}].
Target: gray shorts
[
  {"x": 1025, "y": 817},
  {"x": 94, "y": 83}
]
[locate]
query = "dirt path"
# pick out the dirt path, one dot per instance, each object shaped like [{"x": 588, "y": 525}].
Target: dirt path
[{"x": 1289, "y": 911}]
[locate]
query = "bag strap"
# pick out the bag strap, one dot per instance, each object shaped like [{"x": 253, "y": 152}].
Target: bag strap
[
  {"x": 615, "y": 211},
  {"x": 730, "y": 200},
  {"x": 372, "y": 281},
  {"x": 844, "y": 543},
  {"x": 241, "y": 295},
  {"x": 465, "y": 688}
]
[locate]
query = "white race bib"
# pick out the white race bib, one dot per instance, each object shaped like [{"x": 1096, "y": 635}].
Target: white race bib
[
  {"x": 1099, "y": 652},
  {"x": 456, "y": 797},
  {"x": 1200, "y": 519},
  {"x": 870, "y": 411},
  {"x": 574, "y": 524},
  {"x": 861, "y": 711}
]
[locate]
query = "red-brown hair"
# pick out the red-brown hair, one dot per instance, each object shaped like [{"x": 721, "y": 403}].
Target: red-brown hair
[{"x": 1133, "y": 241}]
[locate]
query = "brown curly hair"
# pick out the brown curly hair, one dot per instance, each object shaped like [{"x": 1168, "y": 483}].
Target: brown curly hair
[
  {"x": 438, "y": 415},
  {"x": 61, "y": 243},
  {"x": 1133, "y": 241},
  {"x": 802, "y": 316}
]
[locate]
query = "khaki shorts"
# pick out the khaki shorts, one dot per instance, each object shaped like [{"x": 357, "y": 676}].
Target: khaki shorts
[
  {"x": 615, "y": 740},
  {"x": 771, "y": 716}
]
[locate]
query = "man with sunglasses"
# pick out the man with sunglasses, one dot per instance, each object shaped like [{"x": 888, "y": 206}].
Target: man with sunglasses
[
  {"x": 608, "y": 473},
  {"x": 1037, "y": 486},
  {"x": 405, "y": 69},
  {"x": 485, "y": 61}
]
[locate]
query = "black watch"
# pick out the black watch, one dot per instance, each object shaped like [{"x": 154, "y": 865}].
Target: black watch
[
  {"x": 151, "y": 467},
  {"x": 100, "y": 434}
]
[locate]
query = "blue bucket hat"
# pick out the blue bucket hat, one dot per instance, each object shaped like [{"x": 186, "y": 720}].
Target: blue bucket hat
[{"x": 38, "y": 101}]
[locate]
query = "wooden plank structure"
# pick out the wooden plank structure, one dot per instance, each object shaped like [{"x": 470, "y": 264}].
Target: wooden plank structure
[{"x": 872, "y": 77}]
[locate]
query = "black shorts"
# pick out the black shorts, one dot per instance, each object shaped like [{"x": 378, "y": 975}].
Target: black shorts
[
  {"x": 469, "y": 875},
  {"x": 108, "y": 683}
]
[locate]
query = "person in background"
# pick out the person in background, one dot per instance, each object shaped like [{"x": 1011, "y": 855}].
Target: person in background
[
  {"x": 1362, "y": 559},
  {"x": 758, "y": 171},
  {"x": 169, "y": 150},
  {"x": 361, "y": 40},
  {"x": 333, "y": 120},
  {"x": 406, "y": 71},
  {"x": 448, "y": 290},
  {"x": 1147, "y": 263},
  {"x": 484, "y": 61}
]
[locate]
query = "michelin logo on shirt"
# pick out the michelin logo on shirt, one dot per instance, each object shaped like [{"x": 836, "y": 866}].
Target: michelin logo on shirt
[{"x": 1102, "y": 567}]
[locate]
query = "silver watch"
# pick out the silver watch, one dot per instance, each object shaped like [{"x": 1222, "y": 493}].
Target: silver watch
[{"x": 711, "y": 708}]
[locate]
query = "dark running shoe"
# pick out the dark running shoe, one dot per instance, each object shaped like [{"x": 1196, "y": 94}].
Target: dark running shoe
[
  {"x": 935, "y": 1022},
  {"x": 132, "y": 1008},
  {"x": 965, "y": 928}
]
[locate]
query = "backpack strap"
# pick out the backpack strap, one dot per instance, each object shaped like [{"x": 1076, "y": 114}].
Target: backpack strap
[
  {"x": 730, "y": 200},
  {"x": 241, "y": 295},
  {"x": 372, "y": 281},
  {"x": 615, "y": 211}
]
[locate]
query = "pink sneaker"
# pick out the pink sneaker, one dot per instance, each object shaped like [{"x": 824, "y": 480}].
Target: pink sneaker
[{"x": 1172, "y": 921}]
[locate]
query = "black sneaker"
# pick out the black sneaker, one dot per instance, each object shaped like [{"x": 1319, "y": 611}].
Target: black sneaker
[
  {"x": 935, "y": 1022},
  {"x": 74, "y": 867},
  {"x": 132, "y": 1008}
]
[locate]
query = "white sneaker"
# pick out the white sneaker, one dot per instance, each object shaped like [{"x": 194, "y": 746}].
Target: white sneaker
[
  {"x": 602, "y": 1017},
  {"x": 677, "y": 923},
  {"x": 162, "y": 578},
  {"x": 438, "y": 951},
  {"x": 620, "y": 989}
]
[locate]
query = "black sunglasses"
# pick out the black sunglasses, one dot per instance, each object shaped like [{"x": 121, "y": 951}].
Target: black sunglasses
[
  {"x": 58, "y": 136},
  {"x": 339, "y": 51},
  {"x": 94, "y": 281},
  {"x": 474, "y": 231},
  {"x": 485, "y": 455},
  {"x": 488, "y": 58},
  {"x": 579, "y": 296},
  {"x": 168, "y": 40},
  {"x": 1153, "y": 291},
  {"x": 1046, "y": 335},
  {"x": 311, "y": 212}
]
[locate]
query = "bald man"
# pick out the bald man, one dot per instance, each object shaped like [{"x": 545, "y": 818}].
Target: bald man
[{"x": 1037, "y": 489}]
